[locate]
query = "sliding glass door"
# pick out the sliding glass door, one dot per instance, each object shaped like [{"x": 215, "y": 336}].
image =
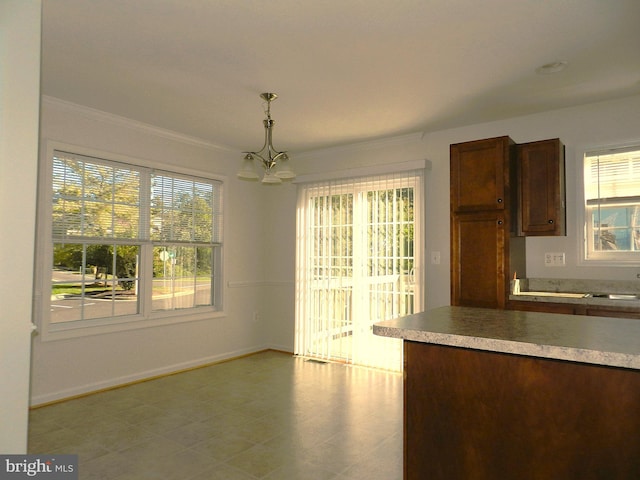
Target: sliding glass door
[{"x": 358, "y": 263}]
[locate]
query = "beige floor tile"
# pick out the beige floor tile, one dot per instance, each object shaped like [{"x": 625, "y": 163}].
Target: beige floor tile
[{"x": 266, "y": 416}]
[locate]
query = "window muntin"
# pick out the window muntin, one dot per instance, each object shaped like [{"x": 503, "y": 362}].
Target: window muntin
[
  {"x": 612, "y": 205},
  {"x": 110, "y": 222}
]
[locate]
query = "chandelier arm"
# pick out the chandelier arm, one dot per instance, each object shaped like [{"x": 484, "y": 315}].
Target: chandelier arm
[
  {"x": 277, "y": 156},
  {"x": 269, "y": 139},
  {"x": 265, "y": 145},
  {"x": 257, "y": 154}
]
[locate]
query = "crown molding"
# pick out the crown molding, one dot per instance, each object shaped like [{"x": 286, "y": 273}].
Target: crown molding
[{"x": 110, "y": 118}]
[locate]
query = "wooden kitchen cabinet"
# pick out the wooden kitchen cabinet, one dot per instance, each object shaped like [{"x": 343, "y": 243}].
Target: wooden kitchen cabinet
[
  {"x": 576, "y": 309},
  {"x": 485, "y": 415},
  {"x": 479, "y": 264},
  {"x": 547, "y": 307},
  {"x": 541, "y": 188},
  {"x": 620, "y": 312},
  {"x": 480, "y": 173}
]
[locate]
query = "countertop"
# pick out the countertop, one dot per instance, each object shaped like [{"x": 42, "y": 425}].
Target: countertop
[
  {"x": 597, "y": 340},
  {"x": 577, "y": 292}
]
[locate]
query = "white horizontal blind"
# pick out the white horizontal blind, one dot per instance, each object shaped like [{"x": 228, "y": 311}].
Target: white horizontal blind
[
  {"x": 610, "y": 176},
  {"x": 95, "y": 198},
  {"x": 103, "y": 199},
  {"x": 358, "y": 262},
  {"x": 185, "y": 209}
]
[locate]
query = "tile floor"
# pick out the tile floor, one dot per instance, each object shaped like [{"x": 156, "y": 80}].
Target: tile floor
[{"x": 266, "y": 416}]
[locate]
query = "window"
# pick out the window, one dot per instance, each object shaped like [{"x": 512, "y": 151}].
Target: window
[
  {"x": 612, "y": 205},
  {"x": 358, "y": 263},
  {"x": 129, "y": 242}
]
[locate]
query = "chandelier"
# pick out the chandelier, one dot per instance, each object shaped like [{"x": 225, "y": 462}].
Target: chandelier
[{"x": 275, "y": 163}]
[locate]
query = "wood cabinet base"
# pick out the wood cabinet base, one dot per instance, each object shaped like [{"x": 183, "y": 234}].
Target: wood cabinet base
[{"x": 485, "y": 415}]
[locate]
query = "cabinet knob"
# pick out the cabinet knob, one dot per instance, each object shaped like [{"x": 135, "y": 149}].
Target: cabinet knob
[
  {"x": 499, "y": 200},
  {"x": 551, "y": 221},
  {"x": 500, "y": 222}
]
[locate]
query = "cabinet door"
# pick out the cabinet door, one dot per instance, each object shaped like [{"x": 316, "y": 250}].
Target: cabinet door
[
  {"x": 541, "y": 200},
  {"x": 614, "y": 312},
  {"x": 546, "y": 307},
  {"x": 486, "y": 415},
  {"x": 480, "y": 174},
  {"x": 479, "y": 260}
]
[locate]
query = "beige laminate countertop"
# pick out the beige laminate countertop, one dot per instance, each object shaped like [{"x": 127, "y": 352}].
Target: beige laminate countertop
[{"x": 597, "y": 340}]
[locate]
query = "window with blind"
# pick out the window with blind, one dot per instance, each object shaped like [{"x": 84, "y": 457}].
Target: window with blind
[
  {"x": 612, "y": 205},
  {"x": 358, "y": 262},
  {"x": 130, "y": 242}
]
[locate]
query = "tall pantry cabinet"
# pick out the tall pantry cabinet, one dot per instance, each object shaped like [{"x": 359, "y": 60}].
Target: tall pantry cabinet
[{"x": 483, "y": 182}]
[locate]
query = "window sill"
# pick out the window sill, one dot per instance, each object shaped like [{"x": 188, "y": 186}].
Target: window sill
[
  {"x": 62, "y": 331},
  {"x": 599, "y": 261}
]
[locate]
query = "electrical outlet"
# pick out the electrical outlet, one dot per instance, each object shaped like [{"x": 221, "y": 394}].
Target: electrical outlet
[
  {"x": 554, "y": 259},
  {"x": 256, "y": 316},
  {"x": 435, "y": 258}
]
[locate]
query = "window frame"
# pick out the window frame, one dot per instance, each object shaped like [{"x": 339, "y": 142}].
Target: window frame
[
  {"x": 146, "y": 317},
  {"x": 588, "y": 255}
]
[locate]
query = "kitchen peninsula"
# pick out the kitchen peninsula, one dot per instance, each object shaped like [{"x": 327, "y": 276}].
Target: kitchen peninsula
[{"x": 514, "y": 394}]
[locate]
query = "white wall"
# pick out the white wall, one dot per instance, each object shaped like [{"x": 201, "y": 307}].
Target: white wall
[
  {"x": 278, "y": 253},
  {"x": 63, "y": 368},
  {"x": 605, "y": 123},
  {"x": 19, "y": 111}
]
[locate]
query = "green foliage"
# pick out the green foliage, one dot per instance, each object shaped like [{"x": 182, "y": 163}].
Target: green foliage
[{"x": 80, "y": 257}]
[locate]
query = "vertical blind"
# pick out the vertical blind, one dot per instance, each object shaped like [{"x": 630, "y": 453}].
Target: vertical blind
[{"x": 359, "y": 261}]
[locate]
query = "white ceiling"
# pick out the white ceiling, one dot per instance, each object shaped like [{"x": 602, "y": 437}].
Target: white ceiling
[{"x": 345, "y": 70}]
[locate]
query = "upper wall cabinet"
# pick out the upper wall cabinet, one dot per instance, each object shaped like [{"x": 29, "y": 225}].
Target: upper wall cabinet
[
  {"x": 541, "y": 196},
  {"x": 480, "y": 175}
]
